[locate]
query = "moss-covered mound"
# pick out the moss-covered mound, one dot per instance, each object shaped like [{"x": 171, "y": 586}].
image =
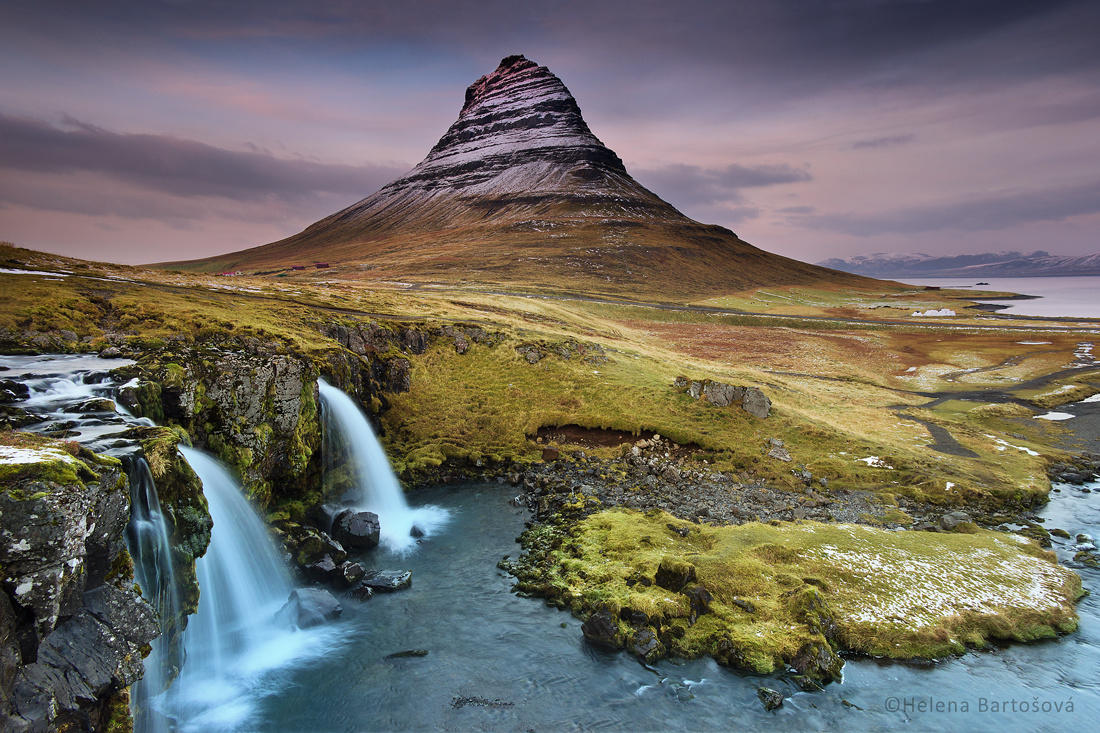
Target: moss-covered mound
[{"x": 762, "y": 596}]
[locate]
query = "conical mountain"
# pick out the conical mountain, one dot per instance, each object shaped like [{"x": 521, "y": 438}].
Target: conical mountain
[{"x": 519, "y": 192}]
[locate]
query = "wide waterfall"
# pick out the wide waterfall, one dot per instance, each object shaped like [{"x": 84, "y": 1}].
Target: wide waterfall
[
  {"x": 350, "y": 442},
  {"x": 235, "y": 638}
]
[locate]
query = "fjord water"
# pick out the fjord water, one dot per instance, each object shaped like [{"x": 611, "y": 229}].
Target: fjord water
[
  {"x": 1070, "y": 297},
  {"x": 349, "y": 441},
  {"x": 500, "y": 662}
]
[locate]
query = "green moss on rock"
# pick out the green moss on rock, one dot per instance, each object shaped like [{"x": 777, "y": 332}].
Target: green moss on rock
[{"x": 798, "y": 593}]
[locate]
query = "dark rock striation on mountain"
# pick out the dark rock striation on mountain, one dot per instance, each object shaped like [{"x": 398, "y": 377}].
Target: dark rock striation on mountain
[{"x": 519, "y": 191}]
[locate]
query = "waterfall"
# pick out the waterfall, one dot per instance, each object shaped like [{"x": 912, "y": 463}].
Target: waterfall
[
  {"x": 154, "y": 570},
  {"x": 351, "y": 444},
  {"x": 209, "y": 676},
  {"x": 234, "y": 638}
]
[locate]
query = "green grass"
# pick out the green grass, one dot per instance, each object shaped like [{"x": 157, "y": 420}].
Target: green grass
[{"x": 894, "y": 594}]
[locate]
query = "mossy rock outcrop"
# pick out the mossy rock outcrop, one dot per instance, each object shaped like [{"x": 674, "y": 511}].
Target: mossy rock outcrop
[
  {"x": 796, "y": 594},
  {"x": 73, "y": 629}
]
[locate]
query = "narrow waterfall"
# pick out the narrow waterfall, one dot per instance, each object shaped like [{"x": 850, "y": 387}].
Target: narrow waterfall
[
  {"x": 351, "y": 444},
  {"x": 154, "y": 571},
  {"x": 235, "y": 637}
]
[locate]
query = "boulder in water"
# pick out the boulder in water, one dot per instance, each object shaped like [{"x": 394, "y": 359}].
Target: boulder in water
[
  {"x": 324, "y": 515},
  {"x": 771, "y": 699},
  {"x": 308, "y": 607},
  {"x": 387, "y": 580},
  {"x": 351, "y": 573},
  {"x": 357, "y": 530},
  {"x": 324, "y": 570},
  {"x": 602, "y": 629}
]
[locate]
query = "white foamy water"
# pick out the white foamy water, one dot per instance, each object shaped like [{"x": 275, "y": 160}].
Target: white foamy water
[{"x": 375, "y": 488}]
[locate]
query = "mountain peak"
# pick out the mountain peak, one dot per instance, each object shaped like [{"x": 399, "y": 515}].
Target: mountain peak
[
  {"x": 519, "y": 190},
  {"x": 521, "y": 113},
  {"x": 510, "y": 70}
]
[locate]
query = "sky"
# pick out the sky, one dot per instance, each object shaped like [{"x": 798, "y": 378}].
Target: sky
[{"x": 152, "y": 130}]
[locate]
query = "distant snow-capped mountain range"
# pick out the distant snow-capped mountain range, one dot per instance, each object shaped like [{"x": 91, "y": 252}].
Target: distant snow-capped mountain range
[{"x": 989, "y": 264}]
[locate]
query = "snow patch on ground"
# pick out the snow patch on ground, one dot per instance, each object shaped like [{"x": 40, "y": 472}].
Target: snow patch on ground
[
  {"x": 1055, "y": 416},
  {"x": 1003, "y": 444},
  {"x": 8, "y": 271},
  {"x": 933, "y": 312},
  {"x": 874, "y": 462}
]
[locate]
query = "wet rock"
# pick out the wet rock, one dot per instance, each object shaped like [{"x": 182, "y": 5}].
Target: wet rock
[
  {"x": 12, "y": 391},
  {"x": 951, "y": 520},
  {"x": 309, "y": 607},
  {"x": 416, "y": 532},
  {"x": 323, "y": 571},
  {"x": 97, "y": 404},
  {"x": 771, "y": 699},
  {"x": 324, "y": 515},
  {"x": 602, "y": 630},
  {"x": 362, "y": 592},
  {"x": 357, "y": 530},
  {"x": 308, "y": 545},
  {"x": 70, "y": 639},
  {"x": 387, "y": 581},
  {"x": 674, "y": 574},
  {"x": 646, "y": 646},
  {"x": 351, "y": 573},
  {"x": 111, "y": 352},
  {"x": 1056, "y": 532},
  {"x": 407, "y": 653}
]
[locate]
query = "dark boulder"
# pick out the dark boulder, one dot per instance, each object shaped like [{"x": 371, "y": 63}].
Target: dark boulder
[
  {"x": 602, "y": 630},
  {"x": 362, "y": 592},
  {"x": 646, "y": 646},
  {"x": 674, "y": 574},
  {"x": 324, "y": 515},
  {"x": 324, "y": 570},
  {"x": 12, "y": 391},
  {"x": 309, "y": 607},
  {"x": 357, "y": 530},
  {"x": 700, "y": 599},
  {"x": 351, "y": 573},
  {"x": 308, "y": 545}
]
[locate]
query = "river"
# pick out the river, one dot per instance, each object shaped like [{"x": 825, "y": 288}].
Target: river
[{"x": 527, "y": 667}]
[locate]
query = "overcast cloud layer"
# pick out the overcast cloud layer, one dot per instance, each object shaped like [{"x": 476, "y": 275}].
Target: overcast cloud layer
[{"x": 158, "y": 130}]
